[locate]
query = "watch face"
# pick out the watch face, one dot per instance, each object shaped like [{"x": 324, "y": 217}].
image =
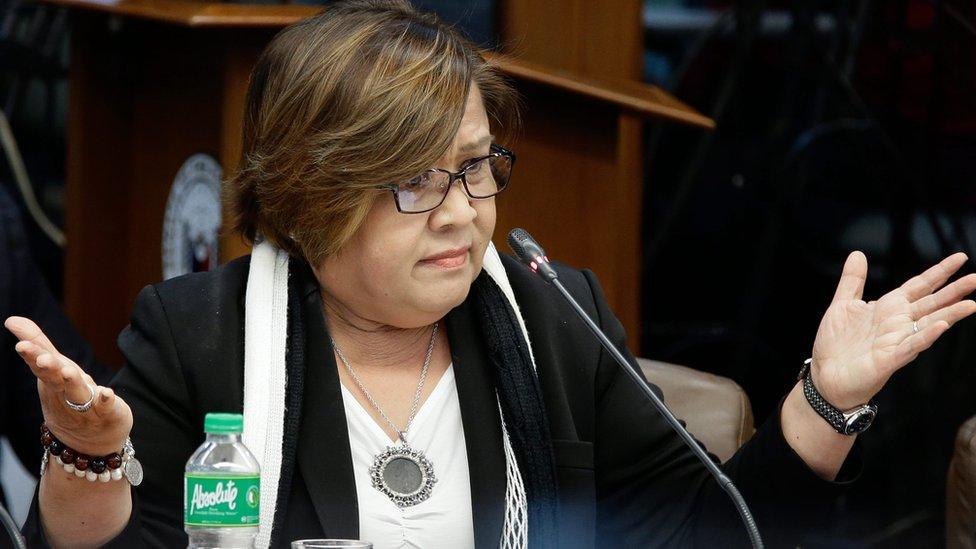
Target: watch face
[{"x": 860, "y": 420}]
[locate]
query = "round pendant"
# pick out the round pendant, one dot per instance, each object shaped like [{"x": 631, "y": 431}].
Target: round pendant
[
  {"x": 405, "y": 475},
  {"x": 132, "y": 470}
]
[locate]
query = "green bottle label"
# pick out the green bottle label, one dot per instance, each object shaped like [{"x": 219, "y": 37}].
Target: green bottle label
[{"x": 221, "y": 501}]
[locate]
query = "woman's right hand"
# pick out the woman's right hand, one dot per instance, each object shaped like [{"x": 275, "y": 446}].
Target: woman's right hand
[{"x": 99, "y": 431}]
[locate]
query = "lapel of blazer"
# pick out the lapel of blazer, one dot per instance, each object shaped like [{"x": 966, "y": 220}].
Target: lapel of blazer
[
  {"x": 482, "y": 426},
  {"x": 323, "y": 450}
]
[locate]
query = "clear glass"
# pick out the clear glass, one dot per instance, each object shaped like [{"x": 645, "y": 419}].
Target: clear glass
[
  {"x": 482, "y": 178},
  {"x": 224, "y": 456},
  {"x": 330, "y": 544}
]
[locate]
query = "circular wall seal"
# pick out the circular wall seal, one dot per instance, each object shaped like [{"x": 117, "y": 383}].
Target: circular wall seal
[{"x": 192, "y": 220}]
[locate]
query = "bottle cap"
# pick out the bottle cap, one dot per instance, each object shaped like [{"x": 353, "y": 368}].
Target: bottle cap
[{"x": 218, "y": 423}]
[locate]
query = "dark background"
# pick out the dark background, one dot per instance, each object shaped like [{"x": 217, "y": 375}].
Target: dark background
[{"x": 841, "y": 125}]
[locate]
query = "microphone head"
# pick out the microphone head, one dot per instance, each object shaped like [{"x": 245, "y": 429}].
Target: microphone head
[
  {"x": 516, "y": 238},
  {"x": 524, "y": 246},
  {"x": 530, "y": 253}
]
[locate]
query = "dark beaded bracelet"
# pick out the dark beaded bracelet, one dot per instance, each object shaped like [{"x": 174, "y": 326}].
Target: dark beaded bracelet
[
  {"x": 97, "y": 466},
  {"x": 103, "y": 468},
  {"x": 55, "y": 447}
]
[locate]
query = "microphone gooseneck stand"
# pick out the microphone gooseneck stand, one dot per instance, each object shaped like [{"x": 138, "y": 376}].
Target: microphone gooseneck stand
[{"x": 530, "y": 253}]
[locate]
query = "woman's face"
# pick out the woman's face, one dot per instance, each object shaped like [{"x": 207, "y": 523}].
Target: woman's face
[{"x": 386, "y": 274}]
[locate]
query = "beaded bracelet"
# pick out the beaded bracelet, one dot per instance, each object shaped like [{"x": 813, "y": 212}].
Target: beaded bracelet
[{"x": 104, "y": 468}]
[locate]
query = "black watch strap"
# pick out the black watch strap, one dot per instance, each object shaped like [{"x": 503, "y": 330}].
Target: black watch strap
[{"x": 850, "y": 422}]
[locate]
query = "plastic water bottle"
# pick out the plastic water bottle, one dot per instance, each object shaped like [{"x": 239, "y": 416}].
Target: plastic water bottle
[{"x": 221, "y": 488}]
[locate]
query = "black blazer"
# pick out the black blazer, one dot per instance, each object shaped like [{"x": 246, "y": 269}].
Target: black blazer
[{"x": 624, "y": 479}]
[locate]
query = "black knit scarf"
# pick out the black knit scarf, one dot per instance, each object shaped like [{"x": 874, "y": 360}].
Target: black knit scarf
[{"x": 522, "y": 407}]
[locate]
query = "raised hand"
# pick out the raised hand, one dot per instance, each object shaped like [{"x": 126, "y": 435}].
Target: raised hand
[
  {"x": 99, "y": 431},
  {"x": 860, "y": 344}
]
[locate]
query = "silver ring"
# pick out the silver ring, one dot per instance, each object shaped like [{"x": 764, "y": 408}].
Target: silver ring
[
  {"x": 82, "y": 407},
  {"x": 915, "y": 326}
]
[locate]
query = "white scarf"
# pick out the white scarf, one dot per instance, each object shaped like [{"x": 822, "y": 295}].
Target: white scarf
[{"x": 265, "y": 382}]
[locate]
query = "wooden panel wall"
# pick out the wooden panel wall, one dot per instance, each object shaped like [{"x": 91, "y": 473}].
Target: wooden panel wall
[
  {"x": 238, "y": 63},
  {"x": 585, "y": 160},
  {"x": 137, "y": 112},
  {"x": 595, "y": 38}
]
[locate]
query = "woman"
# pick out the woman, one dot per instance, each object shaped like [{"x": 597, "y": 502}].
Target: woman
[{"x": 374, "y": 315}]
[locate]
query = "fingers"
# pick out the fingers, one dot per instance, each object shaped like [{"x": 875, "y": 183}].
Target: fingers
[
  {"x": 76, "y": 387},
  {"x": 104, "y": 402},
  {"x": 47, "y": 366},
  {"x": 944, "y": 297},
  {"x": 48, "y": 369},
  {"x": 922, "y": 285},
  {"x": 851, "y": 285},
  {"x": 26, "y": 330},
  {"x": 950, "y": 315},
  {"x": 32, "y": 346},
  {"x": 30, "y": 353},
  {"x": 914, "y": 344}
]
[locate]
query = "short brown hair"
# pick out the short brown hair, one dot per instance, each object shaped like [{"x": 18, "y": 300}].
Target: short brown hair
[{"x": 365, "y": 93}]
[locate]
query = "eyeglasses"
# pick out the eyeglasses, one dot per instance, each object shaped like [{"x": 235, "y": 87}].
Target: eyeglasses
[{"x": 482, "y": 177}]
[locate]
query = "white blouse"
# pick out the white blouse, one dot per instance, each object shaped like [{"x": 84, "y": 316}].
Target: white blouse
[{"x": 444, "y": 519}]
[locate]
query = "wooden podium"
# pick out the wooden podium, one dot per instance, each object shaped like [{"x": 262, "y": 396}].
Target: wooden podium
[{"x": 153, "y": 82}]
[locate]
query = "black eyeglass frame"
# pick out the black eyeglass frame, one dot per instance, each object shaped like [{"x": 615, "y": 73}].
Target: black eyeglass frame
[{"x": 496, "y": 151}]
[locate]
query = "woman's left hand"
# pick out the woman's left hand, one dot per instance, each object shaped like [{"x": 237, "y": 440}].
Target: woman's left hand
[{"x": 860, "y": 344}]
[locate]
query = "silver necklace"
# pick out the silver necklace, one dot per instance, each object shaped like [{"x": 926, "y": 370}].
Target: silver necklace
[{"x": 401, "y": 472}]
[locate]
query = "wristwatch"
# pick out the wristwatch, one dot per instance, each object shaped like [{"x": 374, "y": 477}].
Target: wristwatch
[{"x": 849, "y": 422}]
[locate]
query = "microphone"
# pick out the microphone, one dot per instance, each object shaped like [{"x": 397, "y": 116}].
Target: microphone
[
  {"x": 531, "y": 254},
  {"x": 529, "y": 251}
]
